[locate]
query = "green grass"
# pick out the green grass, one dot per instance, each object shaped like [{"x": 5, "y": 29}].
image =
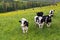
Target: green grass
[{"x": 10, "y": 27}]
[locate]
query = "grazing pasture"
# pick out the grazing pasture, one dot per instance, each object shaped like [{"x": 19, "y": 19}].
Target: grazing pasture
[{"x": 10, "y": 28}]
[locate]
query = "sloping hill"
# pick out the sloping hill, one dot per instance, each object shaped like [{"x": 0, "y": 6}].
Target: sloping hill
[{"x": 10, "y": 27}]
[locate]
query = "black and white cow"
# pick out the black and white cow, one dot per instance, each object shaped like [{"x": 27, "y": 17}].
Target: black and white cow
[
  {"x": 39, "y": 19},
  {"x": 24, "y": 25},
  {"x": 47, "y": 19},
  {"x": 51, "y": 13}
]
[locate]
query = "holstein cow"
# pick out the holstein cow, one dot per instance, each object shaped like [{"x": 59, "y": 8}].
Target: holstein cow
[
  {"x": 47, "y": 19},
  {"x": 51, "y": 12},
  {"x": 24, "y": 25},
  {"x": 39, "y": 19}
]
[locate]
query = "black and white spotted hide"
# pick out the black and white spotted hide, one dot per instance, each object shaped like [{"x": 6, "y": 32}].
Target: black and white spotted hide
[
  {"x": 39, "y": 21},
  {"x": 24, "y": 25},
  {"x": 47, "y": 19}
]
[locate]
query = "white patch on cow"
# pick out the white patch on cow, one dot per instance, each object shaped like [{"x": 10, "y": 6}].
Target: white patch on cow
[
  {"x": 41, "y": 25},
  {"x": 50, "y": 15},
  {"x": 22, "y": 23},
  {"x": 25, "y": 29},
  {"x": 40, "y": 18},
  {"x": 35, "y": 19},
  {"x": 23, "y": 19},
  {"x": 52, "y": 12}
]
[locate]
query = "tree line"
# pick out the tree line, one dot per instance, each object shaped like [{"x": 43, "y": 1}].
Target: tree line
[{"x": 19, "y": 5}]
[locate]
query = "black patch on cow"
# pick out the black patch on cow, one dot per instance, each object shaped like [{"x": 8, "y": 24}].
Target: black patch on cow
[
  {"x": 40, "y": 14},
  {"x": 51, "y": 15},
  {"x": 51, "y": 12},
  {"x": 47, "y": 19},
  {"x": 26, "y": 23},
  {"x": 39, "y": 21}
]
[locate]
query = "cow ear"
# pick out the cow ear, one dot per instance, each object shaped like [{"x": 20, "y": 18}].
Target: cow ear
[{"x": 20, "y": 21}]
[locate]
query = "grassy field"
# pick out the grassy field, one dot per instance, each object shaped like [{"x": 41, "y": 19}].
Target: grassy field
[{"x": 10, "y": 27}]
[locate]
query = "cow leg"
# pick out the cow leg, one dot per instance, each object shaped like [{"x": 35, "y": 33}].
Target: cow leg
[
  {"x": 48, "y": 24},
  {"x": 23, "y": 29},
  {"x": 42, "y": 25},
  {"x": 26, "y": 29}
]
